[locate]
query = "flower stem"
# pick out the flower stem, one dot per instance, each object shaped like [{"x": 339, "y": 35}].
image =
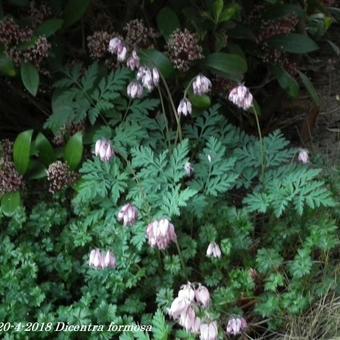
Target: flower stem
[
  {"x": 262, "y": 146},
  {"x": 181, "y": 258}
]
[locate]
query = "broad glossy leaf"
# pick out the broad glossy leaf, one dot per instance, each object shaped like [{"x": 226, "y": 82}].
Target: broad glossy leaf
[
  {"x": 30, "y": 78},
  {"x": 22, "y": 151},
  {"x": 49, "y": 27},
  {"x": 74, "y": 11},
  {"x": 155, "y": 58},
  {"x": 310, "y": 88},
  {"x": 286, "y": 81},
  {"x": 74, "y": 150},
  {"x": 167, "y": 21},
  {"x": 294, "y": 43},
  {"x": 45, "y": 149},
  {"x": 10, "y": 202}
]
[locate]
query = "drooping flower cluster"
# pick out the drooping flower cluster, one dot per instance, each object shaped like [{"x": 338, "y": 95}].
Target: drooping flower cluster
[
  {"x": 102, "y": 260},
  {"x": 128, "y": 214},
  {"x": 138, "y": 35},
  {"x": 183, "y": 49},
  {"x": 161, "y": 233},
  {"x": 118, "y": 48},
  {"x": 184, "y": 107},
  {"x": 303, "y": 156},
  {"x": 185, "y": 307},
  {"x": 10, "y": 179},
  {"x": 236, "y": 326},
  {"x": 201, "y": 85},
  {"x": 60, "y": 176},
  {"x": 104, "y": 150},
  {"x": 241, "y": 97},
  {"x": 133, "y": 61},
  {"x": 214, "y": 250}
]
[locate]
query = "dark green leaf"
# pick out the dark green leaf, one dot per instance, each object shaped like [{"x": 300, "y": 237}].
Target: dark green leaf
[
  {"x": 286, "y": 81},
  {"x": 294, "y": 43},
  {"x": 310, "y": 88},
  {"x": 6, "y": 66},
  {"x": 45, "y": 149},
  {"x": 10, "y": 202},
  {"x": 229, "y": 13},
  {"x": 167, "y": 21},
  {"x": 74, "y": 11},
  {"x": 200, "y": 102},
  {"x": 30, "y": 78},
  {"x": 22, "y": 150},
  {"x": 155, "y": 58},
  {"x": 231, "y": 65},
  {"x": 74, "y": 150},
  {"x": 217, "y": 9},
  {"x": 49, "y": 27}
]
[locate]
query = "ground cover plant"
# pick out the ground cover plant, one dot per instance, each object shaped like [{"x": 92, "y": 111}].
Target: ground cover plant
[{"x": 150, "y": 194}]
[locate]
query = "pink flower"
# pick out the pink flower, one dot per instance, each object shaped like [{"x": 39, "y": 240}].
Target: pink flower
[
  {"x": 184, "y": 107},
  {"x": 214, "y": 250},
  {"x": 303, "y": 156},
  {"x": 161, "y": 233},
  {"x": 114, "y": 45},
  {"x": 178, "y": 306},
  {"x": 209, "y": 331},
  {"x": 104, "y": 150},
  {"x": 128, "y": 214},
  {"x": 201, "y": 85},
  {"x": 109, "y": 260},
  {"x": 155, "y": 76},
  {"x": 188, "y": 319},
  {"x": 133, "y": 61},
  {"x": 135, "y": 90},
  {"x": 187, "y": 292},
  {"x": 241, "y": 97},
  {"x": 236, "y": 326},
  {"x": 99, "y": 260},
  {"x": 202, "y": 296}
]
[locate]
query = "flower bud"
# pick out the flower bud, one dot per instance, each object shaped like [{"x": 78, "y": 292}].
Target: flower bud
[
  {"x": 184, "y": 107},
  {"x": 189, "y": 170},
  {"x": 214, "y": 250},
  {"x": 201, "y": 85},
  {"x": 133, "y": 61},
  {"x": 241, "y": 97},
  {"x": 155, "y": 76},
  {"x": 303, "y": 156},
  {"x": 178, "y": 306},
  {"x": 202, "y": 296},
  {"x": 104, "y": 150},
  {"x": 99, "y": 260},
  {"x": 114, "y": 44},
  {"x": 187, "y": 292},
  {"x": 128, "y": 214},
  {"x": 161, "y": 233},
  {"x": 135, "y": 90},
  {"x": 236, "y": 326},
  {"x": 121, "y": 53},
  {"x": 209, "y": 331}
]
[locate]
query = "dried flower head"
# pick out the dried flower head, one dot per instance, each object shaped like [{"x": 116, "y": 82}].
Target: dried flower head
[
  {"x": 138, "y": 35},
  {"x": 184, "y": 49},
  {"x": 10, "y": 179},
  {"x": 60, "y": 176},
  {"x": 38, "y": 13},
  {"x": 7, "y": 149},
  {"x": 97, "y": 44},
  {"x": 11, "y": 33}
]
